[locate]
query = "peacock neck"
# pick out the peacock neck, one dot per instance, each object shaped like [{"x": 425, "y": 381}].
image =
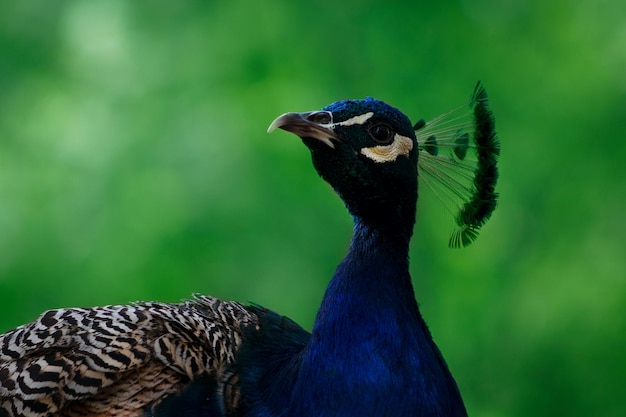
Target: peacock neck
[
  {"x": 368, "y": 345},
  {"x": 369, "y": 341},
  {"x": 371, "y": 285}
]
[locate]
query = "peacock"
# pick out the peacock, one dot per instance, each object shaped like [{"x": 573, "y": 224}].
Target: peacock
[{"x": 369, "y": 353}]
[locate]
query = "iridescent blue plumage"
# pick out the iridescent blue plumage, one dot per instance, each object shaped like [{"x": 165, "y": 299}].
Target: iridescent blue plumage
[{"x": 370, "y": 352}]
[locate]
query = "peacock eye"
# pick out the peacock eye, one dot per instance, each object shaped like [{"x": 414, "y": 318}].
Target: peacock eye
[{"x": 382, "y": 134}]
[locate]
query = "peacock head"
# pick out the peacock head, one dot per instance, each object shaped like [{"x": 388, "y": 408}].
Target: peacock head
[{"x": 367, "y": 151}]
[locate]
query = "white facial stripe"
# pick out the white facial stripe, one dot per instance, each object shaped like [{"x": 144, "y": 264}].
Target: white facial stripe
[
  {"x": 401, "y": 145},
  {"x": 356, "y": 120}
]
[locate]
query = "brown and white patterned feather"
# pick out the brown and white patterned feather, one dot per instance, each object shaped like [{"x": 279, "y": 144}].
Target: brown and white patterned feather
[{"x": 117, "y": 360}]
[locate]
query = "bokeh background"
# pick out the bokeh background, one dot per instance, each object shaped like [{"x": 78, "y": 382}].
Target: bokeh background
[{"x": 134, "y": 165}]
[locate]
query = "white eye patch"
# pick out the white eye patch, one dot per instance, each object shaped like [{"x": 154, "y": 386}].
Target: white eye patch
[{"x": 401, "y": 145}]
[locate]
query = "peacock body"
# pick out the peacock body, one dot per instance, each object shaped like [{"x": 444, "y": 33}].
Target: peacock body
[{"x": 370, "y": 352}]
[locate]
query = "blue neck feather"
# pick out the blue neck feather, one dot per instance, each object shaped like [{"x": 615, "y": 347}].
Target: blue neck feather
[{"x": 370, "y": 352}]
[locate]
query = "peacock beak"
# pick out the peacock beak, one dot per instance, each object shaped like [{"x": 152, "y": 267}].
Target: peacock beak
[{"x": 316, "y": 125}]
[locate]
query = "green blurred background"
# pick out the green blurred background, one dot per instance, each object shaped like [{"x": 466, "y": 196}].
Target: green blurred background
[{"x": 134, "y": 165}]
